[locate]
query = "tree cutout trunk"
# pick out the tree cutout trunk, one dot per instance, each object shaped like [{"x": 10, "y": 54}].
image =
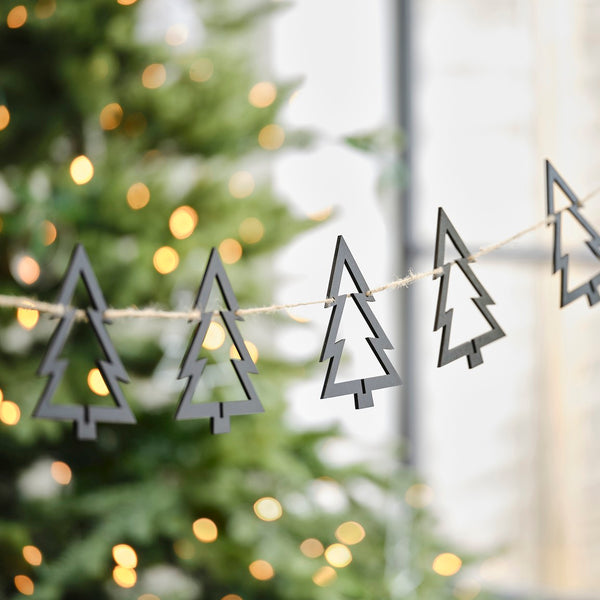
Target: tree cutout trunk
[
  {"x": 560, "y": 260},
  {"x": 192, "y": 366},
  {"x": 443, "y": 318},
  {"x": 84, "y": 417},
  {"x": 361, "y": 388}
]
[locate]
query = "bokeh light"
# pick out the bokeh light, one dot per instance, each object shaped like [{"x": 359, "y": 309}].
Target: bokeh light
[
  {"x": 125, "y": 556},
  {"x": 50, "y": 233},
  {"x": 111, "y": 116},
  {"x": 446, "y": 564},
  {"x": 148, "y": 597},
  {"x": 165, "y": 260},
  {"x": 10, "y": 413},
  {"x": 126, "y": 2},
  {"x": 324, "y": 576},
  {"x": 312, "y": 548},
  {"x": 24, "y": 585},
  {"x": 32, "y": 555},
  {"x": 183, "y": 221},
  {"x": 17, "y": 17},
  {"x": 184, "y": 549},
  {"x": 125, "y": 578},
  {"x": 241, "y": 184},
  {"x": 81, "y": 169},
  {"x": 261, "y": 570},
  {"x": 138, "y": 195},
  {"x": 45, "y": 8},
  {"x": 4, "y": 117},
  {"x": 271, "y": 137},
  {"x": 201, "y": 70},
  {"x": 251, "y": 230},
  {"x": 205, "y": 530},
  {"x": 27, "y": 317},
  {"x": 252, "y": 350},
  {"x": 268, "y": 509},
  {"x": 61, "y": 472},
  {"x": 419, "y": 495},
  {"x": 28, "y": 270},
  {"x": 230, "y": 251},
  {"x": 154, "y": 76},
  {"x": 215, "y": 336},
  {"x": 338, "y": 555},
  {"x": 321, "y": 215},
  {"x": 262, "y": 94},
  {"x": 176, "y": 35},
  {"x": 231, "y": 597},
  {"x": 350, "y": 533},
  {"x": 96, "y": 382}
]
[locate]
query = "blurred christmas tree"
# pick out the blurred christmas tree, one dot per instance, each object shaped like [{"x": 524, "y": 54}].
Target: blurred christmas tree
[{"x": 149, "y": 151}]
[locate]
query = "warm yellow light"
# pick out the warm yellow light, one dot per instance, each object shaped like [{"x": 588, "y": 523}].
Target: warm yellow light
[
  {"x": 4, "y": 117},
  {"x": 271, "y": 137},
  {"x": 324, "y": 576},
  {"x": 126, "y": 2},
  {"x": 148, "y": 597},
  {"x": 154, "y": 76},
  {"x": 138, "y": 195},
  {"x": 446, "y": 564},
  {"x": 45, "y": 8},
  {"x": 125, "y": 556},
  {"x": 165, "y": 260},
  {"x": 312, "y": 548},
  {"x": 350, "y": 533},
  {"x": 32, "y": 555},
  {"x": 418, "y": 495},
  {"x": 1, "y": 396},
  {"x": 262, "y": 94},
  {"x": 295, "y": 317},
  {"x": 176, "y": 35},
  {"x": 81, "y": 169},
  {"x": 201, "y": 70},
  {"x": 125, "y": 578},
  {"x": 10, "y": 413},
  {"x": 261, "y": 570},
  {"x": 268, "y": 509},
  {"x": 111, "y": 116},
  {"x": 50, "y": 233},
  {"x": 184, "y": 549},
  {"x": 231, "y": 597},
  {"x": 251, "y": 230},
  {"x": 338, "y": 555},
  {"x": 183, "y": 221},
  {"x": 321, "y": 215},
  {"x": 294, "y": 97},
  {"x": 17, "y": 17},
  {"x": 230, "y": 251},
  {"x": 28, "y": 270},
  {"x": 61, "y": 472},
  {"x": 205, "y": 530},
  {"x": 241, "y": 184},
  {"x": 27, "y": 317},
  {"x": 252, "y": 350},
  {"x": 96, "y": 382},
  {"x": 24, "y": 585},
  {"x": 215, "y": 336}
]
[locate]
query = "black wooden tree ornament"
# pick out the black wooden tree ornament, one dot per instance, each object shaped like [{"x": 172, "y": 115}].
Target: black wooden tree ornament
[
  {"x": 443, "y": 318},
  {"x": 361, "y": 388},
  {"x": 192, "y": 367},
  {"x": 560, "y": 260},
  {"x": 84, "y": 417}
]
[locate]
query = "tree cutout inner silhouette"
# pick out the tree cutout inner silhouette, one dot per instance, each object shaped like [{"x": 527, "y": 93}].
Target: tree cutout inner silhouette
[
  {"x": 193, "y": 366},
  {"x": 85, "y": 417},
  {"x": 333, "y": 347},
  {"x": 561, "y": 258},
  {"x": 444, "y": 318}
]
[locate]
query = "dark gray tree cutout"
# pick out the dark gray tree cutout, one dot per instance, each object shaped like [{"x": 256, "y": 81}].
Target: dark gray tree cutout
[
  {"x": 443, "y": 318},
  {"x": 361, "y": 388},
  {"x": 192, "y": 367},
  {"x": 85, "y": 418},
  {"x": 561, "y": 261}
]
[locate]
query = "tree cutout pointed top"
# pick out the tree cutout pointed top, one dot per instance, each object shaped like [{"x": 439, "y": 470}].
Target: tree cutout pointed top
[
  {"x": 361, "y": 388},
  {"x": 560, "y": 260},
  {"x": 192, "y": 367},
  {"x": 84, "y": 417},
  {"x": 443, "y": 318}
]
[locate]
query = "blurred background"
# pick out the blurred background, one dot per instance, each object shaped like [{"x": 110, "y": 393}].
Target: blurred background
[{"x": 151, "y": 132}]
